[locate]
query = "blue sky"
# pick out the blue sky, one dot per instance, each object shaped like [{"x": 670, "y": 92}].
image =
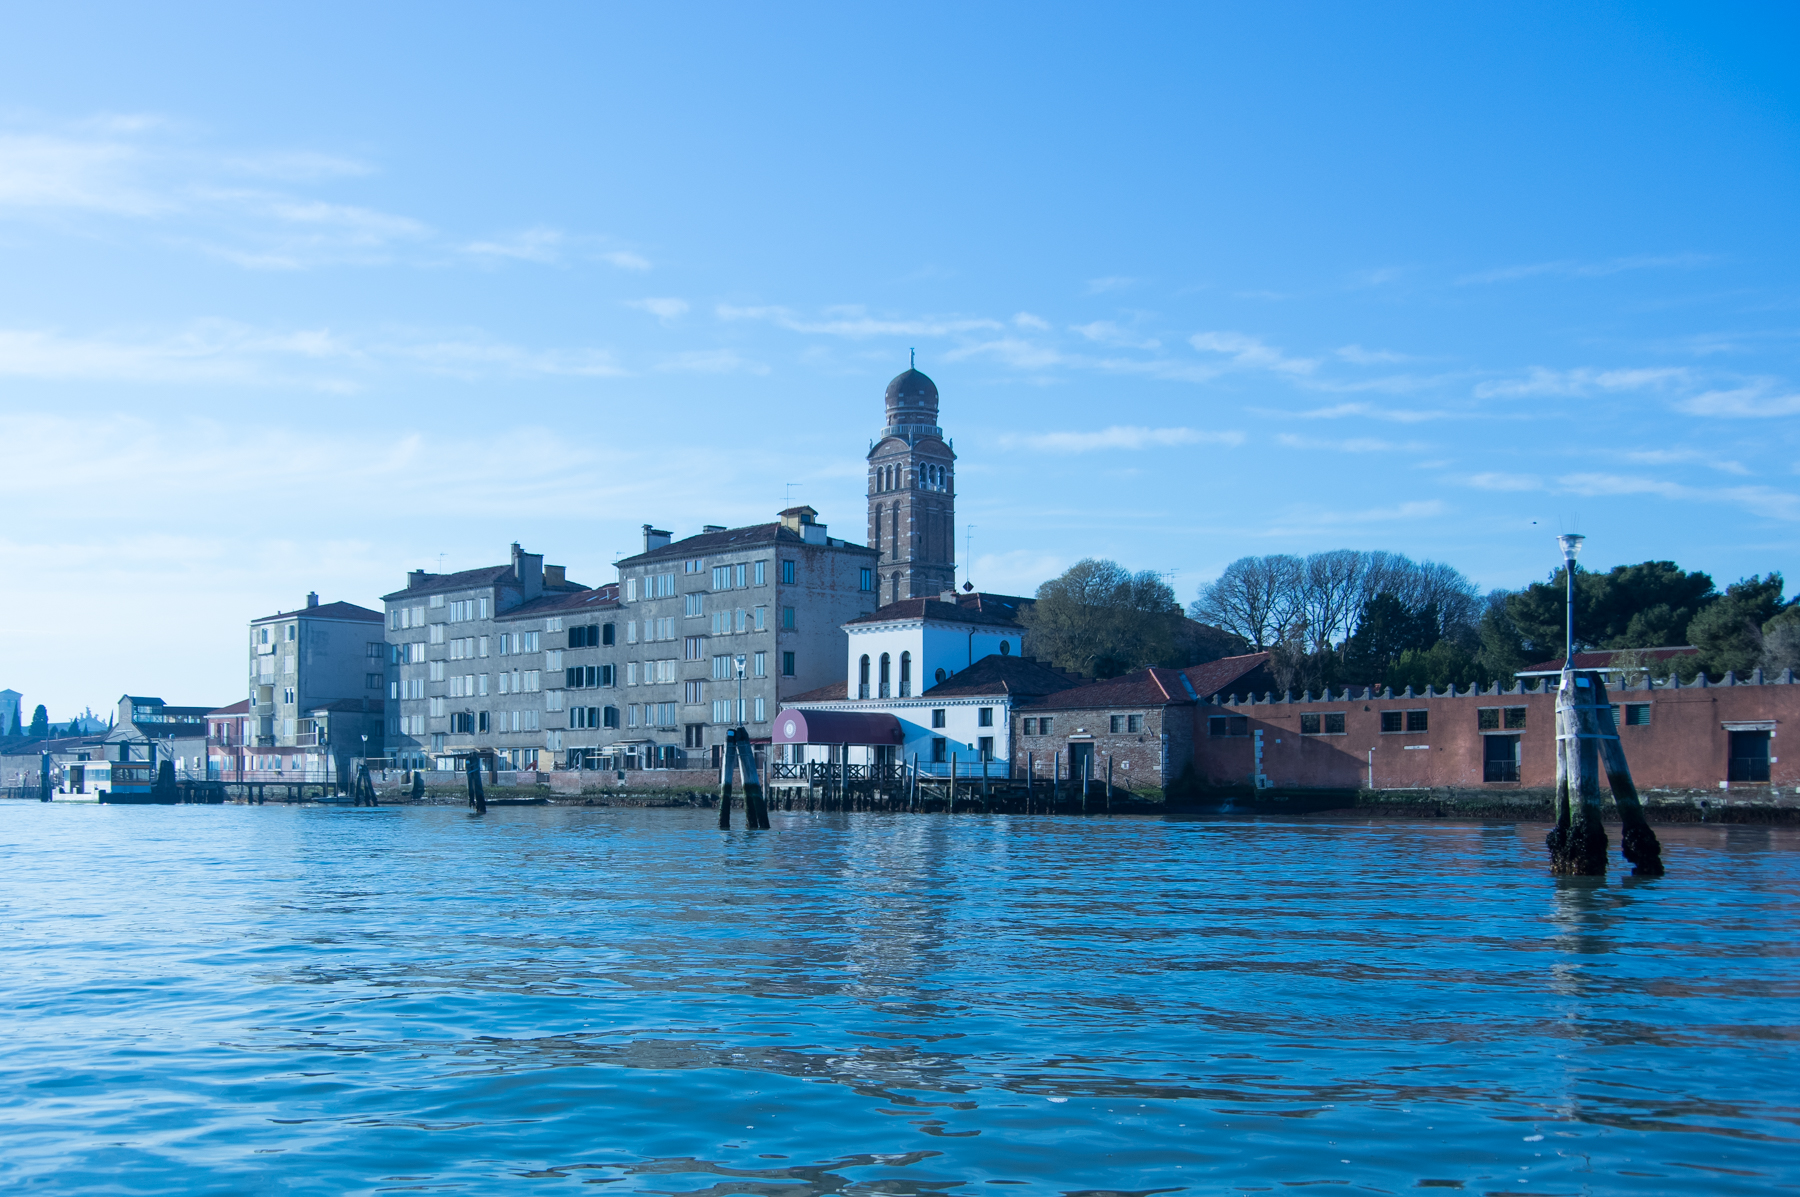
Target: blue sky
[{"x": 297, "y": 299}]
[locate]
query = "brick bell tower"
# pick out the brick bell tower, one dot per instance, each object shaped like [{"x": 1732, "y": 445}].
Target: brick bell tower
[{"x": 912, "y": 495}]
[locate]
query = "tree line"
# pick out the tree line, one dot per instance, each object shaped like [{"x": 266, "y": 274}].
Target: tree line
[{"x": 1354, "y": 617}]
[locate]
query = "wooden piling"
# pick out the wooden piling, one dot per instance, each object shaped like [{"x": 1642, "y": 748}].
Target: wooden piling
[
  {"x": 1578, "y": 841},
  {"x": 1055, "y": 779},
  {"x": 1637, "y": 842},
  {"x": 912, "y": 786},
  {"x": 756, "y": 813},
  {"x": 1030, "y": 773},
  {"x": 951, "y": 807},
  {"x": 727, "y": 771},
  {"x": 477, "y": 795},
  {"x": 1109, "y": 763}
]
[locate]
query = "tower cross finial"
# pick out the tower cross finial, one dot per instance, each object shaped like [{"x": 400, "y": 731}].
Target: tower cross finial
[{"x": 912, "y": 359}]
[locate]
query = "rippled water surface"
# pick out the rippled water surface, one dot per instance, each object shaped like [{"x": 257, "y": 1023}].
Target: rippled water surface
[{"x": 266, "y": 999}]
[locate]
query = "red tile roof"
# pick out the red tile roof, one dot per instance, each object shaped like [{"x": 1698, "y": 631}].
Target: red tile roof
[
  {"x": 835, "y": 692},
  {"x": 240, "y": 707},
  {"x": 328, "y": 611},
  {"x": 1215, "y": 676},
  {"x": 1153, "y": 686},
  {"x": 1603, "y": 658}
]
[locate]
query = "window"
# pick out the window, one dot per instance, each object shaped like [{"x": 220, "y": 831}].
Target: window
[
  {"x": 721, "y": 577},
  {"x": 1487, "y": 719},
  {"x": 787, "y": 573},
  {"x": 985, "y": 745},
  {"x": 1228, "y": 725},
  {"x": 692, "y": 567},
  {"x": 787, "y": 618},
  {"x": 1418, "y": 721},
  {"x": 436, "y": 670},
  {"x": 376, "y": 649},
  {"x": 738, "y": 573},
  {"x": 937, "y": 717},
  {"x": 1324, "y": 723},
  {"x": 606, "y": 633},
  {"x": 939, "y": 753},
  {"x": 481, "y": 684},
  {"x": 1515, "y": 718},
  {"x": 1499, "y": 758},
  {"x": 905, "y": 675},
  {"x": 553, "y": 659},
  {"x": 862, "y": 677},
  {"x": 435, "y": 633},
  {"x": 1117, "y": 724},
  {"x": 868, "y": 579},
  {"x": 721, "y": 668},
  {"x": 760, "y": 666},
  {"x": 1028, "y": 727},
  {"x": 1393, "y": 721},
  {"x": 437, "y": 600},
  {"x": 1637, "y": 714},
  {"x": 553, "y": 701},
  {"x": 761, "y": 617},
  {"x": 437, "y": 708},
  {"x": 691, "y": 695},
  {"x": 695, "y": 736},
  {"x": 462, "y": 723},
  {"x": 609, "y": 716},
  {"x": 758, "y": 571},
  {"x": 886, "y": 665},
  {"x": 481, "y": 722},
  {"x": 760, "y": 717},
  {"x": 371, "y": 681},
  {"x": 787, "y": 664},
  {"x": 531, "y": 642},
  {"x": 691, "y": 604},
  {"x": 693, "y": 648},
  {"x": 984, "y": 717},
  {"x": 631, "y": 631},
  {"x": 631, "y": 597},
  {"x": 631, "y": 715}
]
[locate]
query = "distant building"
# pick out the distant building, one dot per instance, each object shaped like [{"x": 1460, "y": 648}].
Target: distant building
[
  {"x": 940, "y": 677},
  {"x": 912, "y": 494},
  {"x": 462, "y": 672},
  {"x": 12, "y": 722},
  {"x": 315, "y": 671},
  {"x": 778, "y": 595},
  {"x": 149, "y": 728}
]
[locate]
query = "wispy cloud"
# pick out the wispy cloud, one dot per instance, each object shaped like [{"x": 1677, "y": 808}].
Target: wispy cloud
[
  {"x": 1497, "y": 480},
  {"x": 1354, "y": 444},
  {"x": 854, "y": 322},
  {"x": 1100, "y": 286},
  {"x": 532, "y": 245},
  {"x": 1571, "y": 268},
  {"x": 1027, "y": 320},
  {"x": 1753, "y": 402},
  {"x": 712, "y": 361},
  {"x": 1758, "y": 500},
  {"x": 1681, "y": 457},
  {"x": 1357, "y": 355},
  {"x": 1309, "y": 519},
  {"x": 1106, "y": 332},
  {"x": 1371, "y": 411},
  {"x": 1122, "y": 437},
  {"x": 1250, "y": 353},
  {"x": 665, "y": 309},
  {"x": 1539, "y": 381}
]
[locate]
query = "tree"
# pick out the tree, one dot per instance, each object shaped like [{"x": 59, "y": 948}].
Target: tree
[
  {"x": 1387, "y": 628},
  {"x": 1729, "y": 632},
  {"x": 1648, "y": 605},
  {"x": 1099, "y": 618},
  {"x": 40, "y": 722},
  {"x": 1256, "y": 598},
  {"x": 1781, "y": 640}
]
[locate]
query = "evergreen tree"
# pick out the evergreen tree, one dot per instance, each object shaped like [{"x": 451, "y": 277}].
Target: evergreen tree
[
  {"x": 1648, "y": 605},
  {"x": 1729, "y": 633},
  {"x": 40, "y": 722}
]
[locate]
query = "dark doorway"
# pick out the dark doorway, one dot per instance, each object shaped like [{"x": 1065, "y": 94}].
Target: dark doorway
[
  {"x": 1499, "y": 758},
  {"x": 1081, "y": 756},
  {"x": 1749, "y": 756}
]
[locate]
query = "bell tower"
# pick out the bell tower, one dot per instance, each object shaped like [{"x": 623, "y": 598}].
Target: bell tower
[{"x": 912, "y": 495}]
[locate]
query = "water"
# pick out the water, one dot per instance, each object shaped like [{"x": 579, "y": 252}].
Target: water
[{"x": 285, "y": 1000}]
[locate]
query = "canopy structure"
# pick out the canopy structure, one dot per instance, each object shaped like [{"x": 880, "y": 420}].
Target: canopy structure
[{"x": 837, "y": 727}]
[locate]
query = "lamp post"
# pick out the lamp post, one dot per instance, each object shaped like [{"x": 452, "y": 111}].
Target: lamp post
[
  {"x": 741, "y": 658},
  {"x": 1570, "y": 544}
]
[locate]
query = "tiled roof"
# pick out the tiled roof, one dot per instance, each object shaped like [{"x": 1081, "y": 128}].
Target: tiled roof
[
  {"x": 730, "y": 540},
  {"x": 1603, "y": 658},
  {"x": 328, "y": 611},
  {"x": 487, "y": 575},
  {"x": 577, "y": 603},
  {"x": 937, "y": 611},
  {"x": 1153, "y": 686},
  {"x": 1214, "y": 676},
  {"x": 240, "y": 707},
  {"x": 835, "y": 692},
  {"x": 1022, "y": 677}
]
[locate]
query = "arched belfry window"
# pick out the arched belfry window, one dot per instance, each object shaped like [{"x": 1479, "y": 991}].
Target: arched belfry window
[
  {"x": 905, "y": 675},
  {"x": 862, "y": 681},
  {"x": 886, "y": 662}
]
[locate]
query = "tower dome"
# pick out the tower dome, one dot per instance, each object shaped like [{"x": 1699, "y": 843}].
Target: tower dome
[{"x": 912, "y": 398}]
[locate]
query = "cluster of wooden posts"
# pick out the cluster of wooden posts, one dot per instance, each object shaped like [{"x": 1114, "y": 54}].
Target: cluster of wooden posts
[
  {"x": 837, "y": 785},
  {"x": 1586, "y": 735}
]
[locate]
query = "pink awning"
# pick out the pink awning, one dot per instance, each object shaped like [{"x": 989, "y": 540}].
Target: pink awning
[{"x": 837, "y": 727}]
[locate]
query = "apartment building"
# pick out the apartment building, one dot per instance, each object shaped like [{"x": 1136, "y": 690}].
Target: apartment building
[
  {"x": 465, "y": 662},
  {"x": 774, "y": 596},
  {"x": 317, "y": 679}
]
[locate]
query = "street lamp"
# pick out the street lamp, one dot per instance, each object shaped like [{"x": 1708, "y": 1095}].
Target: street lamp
[
  {"x": 740, "y": 680},
  {"x": 1570, "y": 543}
]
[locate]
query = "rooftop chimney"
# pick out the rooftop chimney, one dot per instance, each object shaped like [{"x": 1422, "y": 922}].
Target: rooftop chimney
[
  {"x": 554, "y": 575},
  {"x": 415, "y": 578},
  {"x": 712, "y": 528},
  {"x": 654, "y": 538},
  {"x": 312, "y": 598}
]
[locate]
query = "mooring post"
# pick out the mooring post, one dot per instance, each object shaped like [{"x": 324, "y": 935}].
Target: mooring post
[
  {"x": 1637, "y": 842},
  {"x": 952, "y": 803},
  {"x": 44, "y": 778},
  {"x": 418, "y": 786},
  {"x": 1029, "y": 776},
  {"x": 727, "y": 771},
  {"x": 1055, "y": 779},
  {"x": 1578, "y": 841},
  {"x": 912, "y": 785},
  {"x": 1087, "y": 777},
  {"x": 477, "y": 796},
  {"x": 1109, "y": 783},
  {"x": 756, "y": 813}
]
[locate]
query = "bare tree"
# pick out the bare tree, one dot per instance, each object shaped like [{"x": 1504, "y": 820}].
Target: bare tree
[
  {"x": 1332, "y": 595},
  {"x": 1256, "y": 598}
]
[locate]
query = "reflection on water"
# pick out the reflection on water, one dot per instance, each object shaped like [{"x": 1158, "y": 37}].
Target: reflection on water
[{"x": 286, "y": 1000}]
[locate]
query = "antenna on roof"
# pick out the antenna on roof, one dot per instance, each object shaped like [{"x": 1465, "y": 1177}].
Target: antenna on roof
[{"x": 788, "y": 499}]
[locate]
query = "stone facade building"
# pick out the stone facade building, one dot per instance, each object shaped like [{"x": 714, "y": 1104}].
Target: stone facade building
[
  {"x": 315, "y": 673},
  {"x": 912, "y": 494}
]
